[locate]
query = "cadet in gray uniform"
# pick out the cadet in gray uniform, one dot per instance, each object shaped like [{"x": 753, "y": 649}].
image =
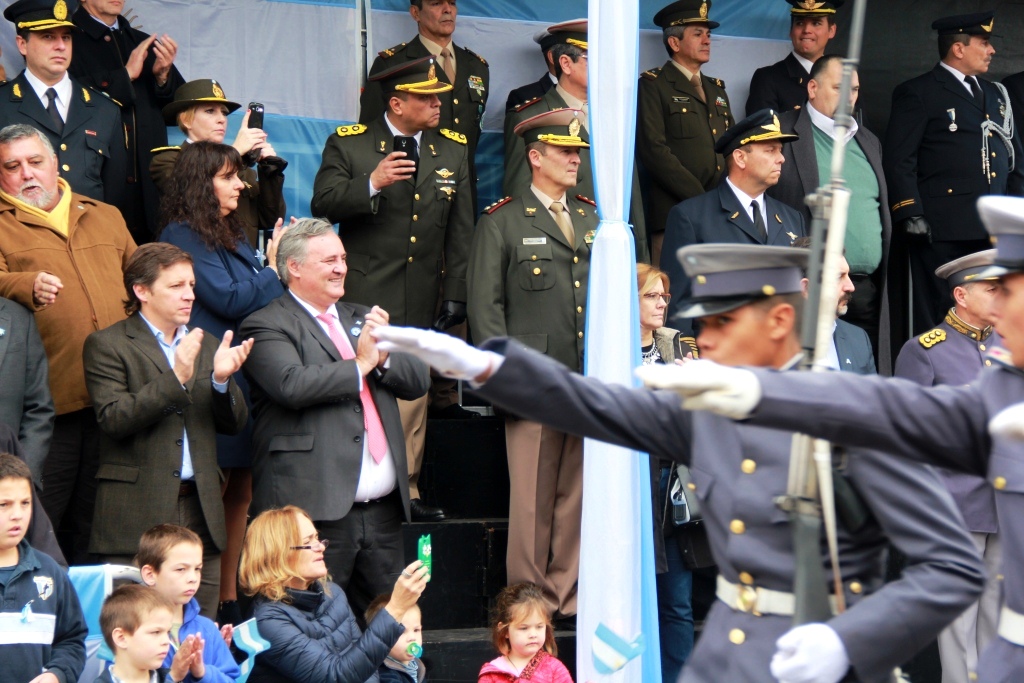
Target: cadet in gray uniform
[
  {"x": 738, "y": 470},
  {"x": 978, "y": 428},
  {"x": 528, "y": 280},
  {"x": 955, "y": 353}
]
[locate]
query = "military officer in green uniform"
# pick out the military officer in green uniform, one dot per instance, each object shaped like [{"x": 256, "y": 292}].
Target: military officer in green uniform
[
  {"x": 406, "y": 217},
  {"x": 528, "y": 280},
  {"x": 462, "y": 106},
  {"x": 569, "y": 54},
  {"x": 680, "y": 114},
  {"x": 83, "y": 125}
]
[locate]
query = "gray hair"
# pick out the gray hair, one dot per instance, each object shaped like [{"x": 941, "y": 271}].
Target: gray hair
[
  {"x": 574, "y": 52},
  {"x": 672, "y": 32},
  {"x": 294, "y": 243},
  {"x": 23, "y": 131}
]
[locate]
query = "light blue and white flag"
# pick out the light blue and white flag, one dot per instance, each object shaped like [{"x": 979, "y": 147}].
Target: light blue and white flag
[
  {"x": 617, "y": 599},
  {"x": 247, "y": 638}
]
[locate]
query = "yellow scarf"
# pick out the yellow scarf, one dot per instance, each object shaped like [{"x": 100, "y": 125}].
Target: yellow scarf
[{"x": 58, "y": 217}]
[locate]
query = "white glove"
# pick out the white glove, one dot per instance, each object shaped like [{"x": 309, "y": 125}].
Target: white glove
[
  {"x": 706, "y": 385},
  {"x": 1008, "y": 423},
  {"x": 812, "y": 653},
  {"x": 450, "y": 356}
]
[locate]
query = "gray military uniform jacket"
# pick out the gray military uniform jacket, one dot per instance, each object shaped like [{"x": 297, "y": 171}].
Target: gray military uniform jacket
[
  {"x": 738, "y": 470},
  {"x": 411, "y": 237},
  {"x": 943, "y": 425},
  {"x": 955, "y": 353},
  {"x": 527, "y": 282}
]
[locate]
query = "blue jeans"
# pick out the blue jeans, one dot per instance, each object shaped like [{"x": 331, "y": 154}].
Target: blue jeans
[{"x": 675, "y": 609}]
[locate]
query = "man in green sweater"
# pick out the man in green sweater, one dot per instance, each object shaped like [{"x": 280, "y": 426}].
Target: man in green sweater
[{"x": 869, "y": 227}]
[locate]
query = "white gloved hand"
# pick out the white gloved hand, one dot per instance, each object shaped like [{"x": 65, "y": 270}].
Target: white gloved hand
[
  {"x": 450, "y": 356},
  {"x": 1008, "y": 423},
  {"x": 706, "y": 385},
  {"x": 812, "y": 653}
]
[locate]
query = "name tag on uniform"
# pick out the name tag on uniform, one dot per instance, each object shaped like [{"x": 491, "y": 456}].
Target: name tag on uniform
[
  {"x": 535, "y": 240},
  {"x": 36, "y": 629},
  {"x": 680, "y": 98}
]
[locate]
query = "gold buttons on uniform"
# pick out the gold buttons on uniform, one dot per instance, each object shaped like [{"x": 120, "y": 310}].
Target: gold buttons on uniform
[
  {"x": 536, "y": 271},
  {"x": 456, "y": 120},
  {"x": 988, "y": 363},
  {"x": 746, "y": 578},
  {"x": 691, "y": 486},
  {"x": 856, "y": 588},
  {"x": 575, "y": 259},
  {"x": 999, "y": 483},
  {"x": 714, "y": 131},
  {"x": 981, "y": 346},
  {"x": 576, "y": 284},
  {"x": 737, "y": 636},
  {"x": 993, "y": 174},
  {"x": 413, "y": 239},
  {"x": 416, "y": 196},
  {"x": 949, "y": 191},
  {"x": 580, "y": 335},
  {"x": 415, "y": 217},
  {"x": 748, "y": 466},
  {"x": 737, "y": 526},
  {"x": 455, "y": 101},
  {"x": 410, "y": 259},
  {"x": 533, "y": 258},
  {"x": 63, "y": 147},
  {"x": 579, "y": 309},
  {"x": 66, "y": 167}
]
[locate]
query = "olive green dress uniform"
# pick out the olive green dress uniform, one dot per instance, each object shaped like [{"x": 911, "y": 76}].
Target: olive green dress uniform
[
  {"x": 517, "y": 170},
  {"x": 414, "y": 235},
  {"x": 676, "y": 137}
]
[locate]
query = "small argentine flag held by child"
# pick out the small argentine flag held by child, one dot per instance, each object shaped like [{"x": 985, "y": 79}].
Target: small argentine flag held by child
[
  {"x": 612, "y": 652},
  {"x": 247, "y": 638}
]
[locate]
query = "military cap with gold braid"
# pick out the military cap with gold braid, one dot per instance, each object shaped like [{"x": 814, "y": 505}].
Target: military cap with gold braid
[
  {"x": 38, "y": 15},
  {"x": 976, "y": 24},
  {"x": 813, "y": 8},
  {"x": 570, "y": 32},
  {"x": 418, "y": 77},
  {"x": 967, "y": 269},
  {"x": 684, "y": 13},
  {"x": 196, "y": 92},
  {"x": 727, "y": 276},
  {"x": 558, "y": 127},
  {"x": 761, "y": 126}
]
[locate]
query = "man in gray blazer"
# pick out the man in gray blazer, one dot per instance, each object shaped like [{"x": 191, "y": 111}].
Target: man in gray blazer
[
  {"x": 327, "y": 434},
  {"x": 869, "y": 229},
  {"x": 161, "y": 393}
]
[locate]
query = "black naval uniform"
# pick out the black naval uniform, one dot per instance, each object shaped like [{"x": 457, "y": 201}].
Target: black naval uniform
[
  {"x": 781, "y": 86},
  {"x": 90, "y": 151},
  {"x": 676, "y": 135},
  {"x": 935, "y": 167},
  {"x": 738, "y": 470},
  {"x": 462, "y": 108},
  {"x": 100, "y": 56}
]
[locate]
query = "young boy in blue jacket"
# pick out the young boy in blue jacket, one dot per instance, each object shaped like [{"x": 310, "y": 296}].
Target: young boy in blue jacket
[
  {"x": 43, "y": 630},
  {"x": 170, "y": 559}
]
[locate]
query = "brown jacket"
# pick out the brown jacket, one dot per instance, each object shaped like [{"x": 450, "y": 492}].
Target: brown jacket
[{"x": 89, "y": 263}]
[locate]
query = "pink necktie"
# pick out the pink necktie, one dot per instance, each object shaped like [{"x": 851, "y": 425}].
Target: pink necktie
[{"x": 377, "y": 440}]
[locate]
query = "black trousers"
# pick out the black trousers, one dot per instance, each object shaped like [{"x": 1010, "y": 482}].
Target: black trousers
[
  {"x": 931, "y": 296},
  {"x": 69, "y": 481},
  {"x": 366, "y": 555}
]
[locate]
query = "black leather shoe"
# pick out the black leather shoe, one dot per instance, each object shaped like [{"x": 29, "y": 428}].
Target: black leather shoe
[
  {"x": 421, "y": 512},
  {"x": 452, "y": 412}
]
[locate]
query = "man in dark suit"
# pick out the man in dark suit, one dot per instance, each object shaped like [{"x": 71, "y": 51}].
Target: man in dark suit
[
  {"x": 948, "y": 143},
  {"x": 680, "y": 114},
  {"x": 161, "y": 393},
  {"x": 327, "y": 433},
  {"x": 82, "y": 124},
  {"x": 462, "y": 106},
  {"x": 783, "y": 85},
  {"x": 532, "y": 91},
  {"x": 137, "y": 71},
  {"x": 869, "y": 225},
  {"x": 738, "y": 210}
]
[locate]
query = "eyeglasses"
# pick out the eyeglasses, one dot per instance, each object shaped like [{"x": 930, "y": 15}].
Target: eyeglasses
[
  {"x": 321, "y": 542},
  {"x": 651, "y": 296}
]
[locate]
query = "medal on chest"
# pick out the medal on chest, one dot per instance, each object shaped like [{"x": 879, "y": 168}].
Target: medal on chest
[{"x": 952, "y": 120}]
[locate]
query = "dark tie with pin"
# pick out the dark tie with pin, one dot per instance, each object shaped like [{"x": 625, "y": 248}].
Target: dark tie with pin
[
  {"x": 762, "y": 231},
  {"x": 979, "y": 97},
  {"x": 51, "y": 109}
]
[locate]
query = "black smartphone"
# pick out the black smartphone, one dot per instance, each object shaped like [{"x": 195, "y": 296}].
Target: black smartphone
[
  {"x": 255, "y": 115},
  {"x": 407, "y": 144}
]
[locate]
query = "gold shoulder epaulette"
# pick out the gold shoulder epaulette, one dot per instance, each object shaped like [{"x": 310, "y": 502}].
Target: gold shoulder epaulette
[
  {"x": 391, "y": 51},
  {"x": 16, "y": 91},
  {"x": 719, "y": 82},
  {"x": 475, "y": 55},
  {"x": 497, "y": 205},
  {"x": 932, "y": 337},
  {"x": 652, "y": 74},
  {"x": 157, "y": 150},
  {"x": 85, "y": 95},
  {"x": 452, "y": 135},
  {"x": 528, "y": 103},
  {"x": 588, "y": 200},
  {"x": 354, "y": 129}
]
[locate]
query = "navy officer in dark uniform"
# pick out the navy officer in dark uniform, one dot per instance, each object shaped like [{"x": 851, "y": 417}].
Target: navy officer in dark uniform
[
  {"x": 783, "y": 85},
  {"x": 949, "y": 142},
  {"x": 749, "y": 301},
  {"x": 82, "y": 124},
  {"x": 737, "y": 210}
]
